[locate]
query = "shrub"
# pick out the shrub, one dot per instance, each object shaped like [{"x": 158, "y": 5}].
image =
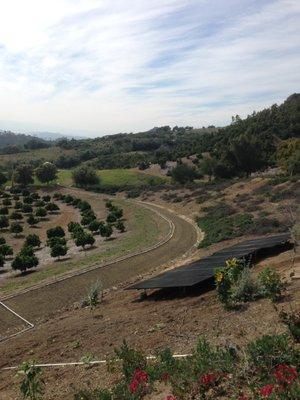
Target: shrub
[
  {"x": 41, "y": 212},
  {"x": 4, "y": 223},
  {"x": 2, "y": 240},
  {"x": 245, "y": 289},
  {"x": 84, "y": 239},
  {"x": 4, "y": 211},
  {"x": 269, "y": 351},
  {"x": 58, "y": 250},
  {"x": 31, "y": 220},
  {"x": 292, "y": 320},
  {"x": 55, "y": 232},
  {"x": 84, "y": 176},
  {"x": 94, "y": 296},
  {"x": 16, "y": 216},
  {"x": 95, "y": 225},
  {"x": 23, "y": 262},
  {"x": 32, "y": 385},
  {"x": 271, "y": 284},
  {"x": 6, "y": 250},
  {"x": 225, "y": 279},
  {"x": 33, "y": 240},
  {"x": 120, "y": 226},
  {"x": 26, "y": 209},
  {"x": 52, "y": 207},
  {"x": 16, "y": 228}
]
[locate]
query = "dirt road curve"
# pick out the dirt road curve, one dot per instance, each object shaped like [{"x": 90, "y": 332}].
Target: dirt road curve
[{"x": 41, "y": 303}]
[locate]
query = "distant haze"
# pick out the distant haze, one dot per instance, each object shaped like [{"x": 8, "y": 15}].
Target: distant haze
[{"x": 95, "y": 67}]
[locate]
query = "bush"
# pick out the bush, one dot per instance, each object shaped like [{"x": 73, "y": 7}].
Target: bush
[
  {"x": 94, "y": 296},
  {"x": 292, "y": 320},
  {"x": 55, "y": 232},
  {"x": 269, "y": 351},
  {"x": 31, "y": 220},
  {"x": 271, "y": 284},
  {"x": 16, "y": 228},
  {"x": 33, "y": 240},
  {"x": 41, "y": 212},
  {"x": 84, "y": 176},
  {"x": 245, "y": 289},
  {"x": 6, "y": 250},
  {"x": 220, "y": 223}
]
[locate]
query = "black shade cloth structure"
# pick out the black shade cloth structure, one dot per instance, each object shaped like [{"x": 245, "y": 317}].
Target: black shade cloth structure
[{"x": 202, "y": 270}]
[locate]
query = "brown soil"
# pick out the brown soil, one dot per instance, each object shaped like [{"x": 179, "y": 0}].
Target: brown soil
[{"x": 156, "y": 322}]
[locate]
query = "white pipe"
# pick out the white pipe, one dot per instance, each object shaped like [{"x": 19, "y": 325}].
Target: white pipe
[
  {"x": 31, "y": 326},
  {"x": 97, "y": 362}
]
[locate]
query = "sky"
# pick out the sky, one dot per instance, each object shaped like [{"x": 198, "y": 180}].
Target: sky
[{"x": 94, "y": 67}]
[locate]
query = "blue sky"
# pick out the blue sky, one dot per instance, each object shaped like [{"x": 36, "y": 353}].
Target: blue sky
[{"x": 94, "y": 67}]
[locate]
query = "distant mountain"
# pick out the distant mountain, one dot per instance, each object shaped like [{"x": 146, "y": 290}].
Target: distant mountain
[{"x": 53, "y": 136}]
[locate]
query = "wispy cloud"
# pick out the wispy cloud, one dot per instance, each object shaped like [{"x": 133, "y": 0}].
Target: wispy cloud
[{"x": 101, "y": 66}]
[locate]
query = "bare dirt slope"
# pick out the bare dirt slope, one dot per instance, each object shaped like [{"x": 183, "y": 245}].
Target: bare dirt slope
[{"x": 157, "y": 322}]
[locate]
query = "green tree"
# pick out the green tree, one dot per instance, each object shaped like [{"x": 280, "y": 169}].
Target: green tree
[
  {"x": 84, "y": 239},
  {"x": 16, "y": 216},
  {"x": 52, "y": 207},
  {"x": 46, "y": 173},
  {"x": 23, "y": 262},
  {"x": 55, "y": 232},
  {"x": 16, "y": 228},
  {"x": 208, "y": 166},
  {"x": 84, "y": 176},
  {"x": 33, "y": 240},
  {"x": 58, "y": 251},
  {"x": 2, "y": 261},
  {"x": 288, "y": 155},
  {"x": 2, "y": 240},
  {"x": 3, "y": 178},
  {"x": 6, "y": 250},
  {"x": 4, "y": 223},
  {"x": 95, "y": 225},
  {"x": 183, "y": 173},
  {"x": 23, "y": 175},
  {"x": 31, "y": 220},
  {"x": 120, "y": 226},
  {"x": 106, "y": 231},
  {"x": 41, "y": 212}
]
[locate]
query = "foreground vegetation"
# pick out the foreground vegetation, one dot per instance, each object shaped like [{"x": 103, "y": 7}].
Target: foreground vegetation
[{"x": 267, "y": 368}]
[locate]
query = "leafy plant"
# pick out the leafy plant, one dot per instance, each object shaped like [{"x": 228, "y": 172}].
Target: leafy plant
[
  {"x": 94, "y": 296},
  {"x": 271, "y": 284},
  {"x": 32, "y": 385}
]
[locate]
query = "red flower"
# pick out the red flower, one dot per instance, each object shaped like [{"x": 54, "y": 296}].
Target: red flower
[
  {"x": 267, "y": 390},
  {"x": 165, "y": 376},
  {"x": 140, "y": 376},
  {"x": 243, "y": 397},
  {"x": 133, "y": 386},
  {"x": 208, "y": 379},
  {"x": 285, "y": 374}
]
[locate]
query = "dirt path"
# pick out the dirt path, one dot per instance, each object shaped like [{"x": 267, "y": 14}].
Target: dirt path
[{"x": 45, "y": 301}]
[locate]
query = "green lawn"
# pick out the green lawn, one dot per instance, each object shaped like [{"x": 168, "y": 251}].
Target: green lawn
[{"x": 117, "y": 177}]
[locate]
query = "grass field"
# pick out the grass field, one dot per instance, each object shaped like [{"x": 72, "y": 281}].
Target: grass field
[{"x": 117, "y": 177}]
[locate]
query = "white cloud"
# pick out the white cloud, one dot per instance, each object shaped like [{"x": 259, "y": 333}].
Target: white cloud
[{"x": 103, "y": 66}]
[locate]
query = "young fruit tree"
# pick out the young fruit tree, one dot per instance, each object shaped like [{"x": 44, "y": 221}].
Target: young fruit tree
[
  {"x": 33, "y": 240},
  {"x": 16, "y": 228},
  {"x": 84, "y": 239},
  {"x": 58, "y": 250},
  {"x": 23, "y": 262}
]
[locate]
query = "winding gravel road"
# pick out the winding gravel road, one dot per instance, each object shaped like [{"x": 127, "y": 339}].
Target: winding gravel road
[{"x": 44, "y": 301}]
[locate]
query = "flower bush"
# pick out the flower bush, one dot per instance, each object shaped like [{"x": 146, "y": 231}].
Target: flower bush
[
  {"x": 271, "y": 284},
  {"x": 265, "y": 369}
]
